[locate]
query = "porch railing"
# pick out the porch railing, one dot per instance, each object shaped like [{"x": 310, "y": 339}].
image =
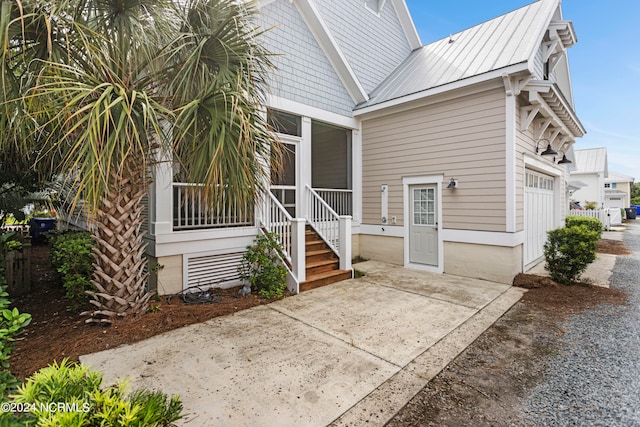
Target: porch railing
[
  {"x": 333, "y": 228},
  {"x": 341, "y": 201},
  {"x": 193, "y": 210}
]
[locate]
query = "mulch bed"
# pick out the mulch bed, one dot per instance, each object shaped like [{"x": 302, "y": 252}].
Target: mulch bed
[{"x": 56, "y": 333}]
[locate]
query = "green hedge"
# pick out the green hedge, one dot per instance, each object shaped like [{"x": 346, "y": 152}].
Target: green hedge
[
  {"x": 569, "y": 250},
  {"x": 593, "y": 224},
  {"x": 71, "y": 257}
]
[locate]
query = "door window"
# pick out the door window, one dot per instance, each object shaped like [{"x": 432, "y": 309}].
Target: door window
[{"x": 424, "y": 206}]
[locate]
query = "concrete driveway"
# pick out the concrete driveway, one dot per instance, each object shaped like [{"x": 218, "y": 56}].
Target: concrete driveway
[{"x": 344, "y": 354}]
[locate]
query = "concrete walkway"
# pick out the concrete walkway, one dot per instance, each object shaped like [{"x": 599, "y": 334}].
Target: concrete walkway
[{"x": 346, "y": 354}]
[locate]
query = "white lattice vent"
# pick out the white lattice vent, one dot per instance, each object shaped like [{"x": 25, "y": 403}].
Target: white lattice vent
[
  {"x": 144, "y": 227},
  {"x": 220, "y": 270}
]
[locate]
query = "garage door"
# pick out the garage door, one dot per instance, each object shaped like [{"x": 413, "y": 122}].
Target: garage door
[{"x": 539, "y": 214}]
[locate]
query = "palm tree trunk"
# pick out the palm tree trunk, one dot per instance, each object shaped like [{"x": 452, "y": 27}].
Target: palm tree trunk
[{"x": 119, "y": 274}]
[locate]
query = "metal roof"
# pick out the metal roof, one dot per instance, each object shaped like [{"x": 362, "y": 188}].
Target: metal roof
[
  {"x": 507, "y": 40},
  {"x": 593, "y": 160},
  {"x": 619, "y": 177}
]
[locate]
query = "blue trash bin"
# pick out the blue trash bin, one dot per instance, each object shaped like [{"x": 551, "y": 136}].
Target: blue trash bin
[
  {"x": 637, "y": 208},
  {"x": 40, "y": 227}
]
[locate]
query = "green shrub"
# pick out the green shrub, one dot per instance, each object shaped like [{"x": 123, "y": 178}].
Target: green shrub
[
  {"x": 71, "y": 257},
  {"x": 635, "y": 201},
  {"x": 87, "y": 402},
  {"x": 593, "y": 224},
  {"x": 262, "y": 268},
  {"x": 12, "y": 323},
  {"x": 568, "y": 251}
]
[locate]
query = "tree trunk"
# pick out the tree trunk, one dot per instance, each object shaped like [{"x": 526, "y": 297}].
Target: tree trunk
[{"x": 119, "y": 274}]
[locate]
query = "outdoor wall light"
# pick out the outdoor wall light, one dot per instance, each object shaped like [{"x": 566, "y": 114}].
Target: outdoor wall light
[
  {"x": 564, "y": 160},
  {"x": 548, "y": 152},
  {"x": 453, "y": 183}
]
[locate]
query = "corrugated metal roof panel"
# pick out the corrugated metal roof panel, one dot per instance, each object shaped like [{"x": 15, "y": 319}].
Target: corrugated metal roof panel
[
  {"x": 501, "y": 42},
  {"x": 619, "y": 177},
  {"x": 593, "y": 160}
]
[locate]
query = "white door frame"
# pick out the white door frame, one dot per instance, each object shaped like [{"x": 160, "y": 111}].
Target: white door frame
[
  {"x": 436, "y": 180},
  {"x": 297, "y": 142}
]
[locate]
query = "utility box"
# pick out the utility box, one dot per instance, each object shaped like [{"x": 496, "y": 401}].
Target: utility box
[{"x": 40, "y": 227}]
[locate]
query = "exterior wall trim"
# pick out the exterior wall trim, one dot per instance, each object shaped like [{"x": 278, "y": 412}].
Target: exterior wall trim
[
  {"x": 417, "y": 180},
  {"x": 510, "y": 161},
  {"x": 407, "y": 23},
  {"x": 325, "y": 39},
  {"x": 382, "y": 230},
  {"x": 447, "y": 88},
  {"x": 492, "y": 238},
  {"x": 300, "y": 109}
]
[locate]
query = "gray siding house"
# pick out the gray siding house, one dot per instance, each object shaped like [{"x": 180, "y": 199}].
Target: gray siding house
[{"x": 430, "y": 157}]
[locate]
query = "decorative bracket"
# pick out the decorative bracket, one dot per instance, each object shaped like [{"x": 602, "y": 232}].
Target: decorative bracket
[{"x": 527, "y": 114}]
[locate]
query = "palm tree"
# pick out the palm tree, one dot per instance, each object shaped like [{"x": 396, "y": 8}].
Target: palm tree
[{"x": 113, "y": 84}]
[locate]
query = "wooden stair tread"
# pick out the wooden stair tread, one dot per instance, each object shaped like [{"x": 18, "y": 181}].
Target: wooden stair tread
[
  {"x": 319, "y": 252},
  {"x": 326, "y": 274},
  {"x": 322, "y": 262},
  {"x": 325, "y": 278}
]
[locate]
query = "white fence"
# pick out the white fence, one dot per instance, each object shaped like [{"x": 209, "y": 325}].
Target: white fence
[{"x": 608, "y": 217}]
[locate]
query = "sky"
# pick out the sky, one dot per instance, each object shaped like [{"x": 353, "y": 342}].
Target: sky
[{"x": 604, "y": 64}]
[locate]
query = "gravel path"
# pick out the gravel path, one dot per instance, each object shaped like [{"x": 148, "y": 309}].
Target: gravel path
[{"x": 595, "y": 380}]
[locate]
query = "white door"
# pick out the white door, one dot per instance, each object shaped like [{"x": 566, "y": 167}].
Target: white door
[
  {"x": 539, "y": 214},
  {"x": 423, "y": 225}
]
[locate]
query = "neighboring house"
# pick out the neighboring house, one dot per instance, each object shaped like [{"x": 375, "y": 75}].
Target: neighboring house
[
  {"x": 617, "y": 190},
  {"x": 589, "y": 176},
  {"x": 429, "y": 157}
]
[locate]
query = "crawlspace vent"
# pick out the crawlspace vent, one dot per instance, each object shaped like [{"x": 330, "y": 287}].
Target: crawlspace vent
[{"x": 213, "y": 270}]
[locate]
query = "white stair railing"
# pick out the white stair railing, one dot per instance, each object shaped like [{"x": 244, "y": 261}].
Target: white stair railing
[
  {"x": 290, "y": 231},
  {"x": 333, "y": 228}
]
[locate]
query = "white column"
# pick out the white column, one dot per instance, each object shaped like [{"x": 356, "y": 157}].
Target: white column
[
  {"x": 162, "y": 197},
  {"x": 356, "y": 152},
  {"x": 304, "y": 168},
  {"x": 344, "y": 242},
  {"x": 298, "y": 261}
]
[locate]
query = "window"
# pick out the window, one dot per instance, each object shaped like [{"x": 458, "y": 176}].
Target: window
[
  {"x": 285, "y": 123},
  {"x": 424, "y": 206},
  {"x": 374, "y": 6},
  {"x": 614, "y": 185},
  {"x": 607, "y": 186},
  {"x": 546, "y": 71},
  {"x": 539, "y": 181}
]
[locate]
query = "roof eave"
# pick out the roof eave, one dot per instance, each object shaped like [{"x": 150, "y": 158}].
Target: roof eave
[
  {"x": 437, "y": 90},
  {"x": 558, "y": 103}
]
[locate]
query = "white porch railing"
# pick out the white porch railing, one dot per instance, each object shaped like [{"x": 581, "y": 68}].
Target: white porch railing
[
  {"x": 606, "y": 216},
  {"x": 290, "y": 232},
  {"x": 192, "y": 210},
  {"x": 333, "y": 228},
  {"x": 341, "y": 201}
]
